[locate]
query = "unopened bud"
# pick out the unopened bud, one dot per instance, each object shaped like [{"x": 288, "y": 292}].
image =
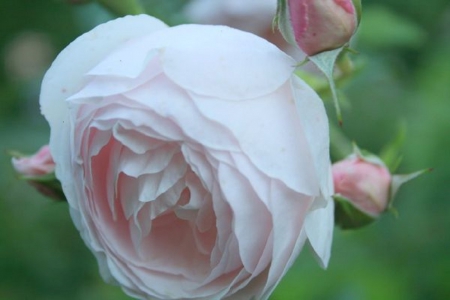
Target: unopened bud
[
  {"x": 318, "y": 25},
  {"x": 364, "y": 184},
  {"x": 39, "y": 171},
  {"x": 40, "y": 163},
  {"x": 364, "y": 188}
]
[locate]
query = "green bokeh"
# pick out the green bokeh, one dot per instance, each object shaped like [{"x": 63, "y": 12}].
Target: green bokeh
[{"x": 405, "y": 46}]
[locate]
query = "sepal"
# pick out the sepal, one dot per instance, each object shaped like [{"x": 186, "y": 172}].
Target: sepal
[
  {"x": 47, "y": 185},
  {"x": 348, "y": 216}
]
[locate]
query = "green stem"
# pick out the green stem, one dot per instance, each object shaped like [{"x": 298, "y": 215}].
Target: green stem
[
  {"x": 335, "y": 101},
  {"x": 340, "y": 146}
]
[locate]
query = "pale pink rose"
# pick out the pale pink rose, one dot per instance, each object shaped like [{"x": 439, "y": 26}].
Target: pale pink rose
[
  {"x": 364, "y": 184},
  {"x": 316, "y": 26},
  {"x": 187, "y": 167},
  {"x": 40, "y": 163}
]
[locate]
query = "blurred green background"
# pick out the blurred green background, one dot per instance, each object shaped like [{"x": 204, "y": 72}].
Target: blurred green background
[{"x": 405, "y": 46}]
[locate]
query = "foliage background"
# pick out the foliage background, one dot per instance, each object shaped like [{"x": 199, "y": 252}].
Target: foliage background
[{"x": 405, "y": 46}]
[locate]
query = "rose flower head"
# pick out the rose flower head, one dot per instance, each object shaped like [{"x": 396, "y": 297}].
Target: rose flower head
[
  {"x": 318, "y": 25},
  {"x": 194, "y": 162}
]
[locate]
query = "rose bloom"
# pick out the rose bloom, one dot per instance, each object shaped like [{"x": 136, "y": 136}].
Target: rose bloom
[
  {"x": 187, "y": 167},
  {"x": 40, "y": 163},
  {"x": 365, "y": 184}
]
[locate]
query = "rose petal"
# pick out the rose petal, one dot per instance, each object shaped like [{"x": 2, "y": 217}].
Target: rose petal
[
  {"x": 315, "y": 126},
  {"x": 288, "y": 236},
  {"x": 189, "y": 66},
  {"x": 252, "y": 221},
  {"x": 278, "y": 158},
  {"x": 225, "y": 50},
  {"x": 74, "y": 62},
  {"x": 319, "y": 225},
  {"x": 112, "y": 84}
]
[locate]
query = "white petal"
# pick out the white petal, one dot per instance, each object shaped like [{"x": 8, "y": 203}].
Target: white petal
[
  {"x": 289, "y": 210},
  {"x": 240, "y": 62},
  {"x": 127, "y": 62},
  {"x": 319, "y": 225},
  {"x": 112, "y": 84},
  {"x": 65, "y": 77},
  {"x": 252, "y": 222},
  {"x": 172, "y": 104},
  {"x": 315, "y": 126},
  {"x": 270, "y": 134}
]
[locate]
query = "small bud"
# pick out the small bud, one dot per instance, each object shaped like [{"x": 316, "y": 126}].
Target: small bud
[
  {"x": 364, "y": 184},
  {"x": 39, "y": 171},
  {"x": 40, "y": 163},
  {"x": 318, "y": 25},
  {"x": 364, "y": 189}
]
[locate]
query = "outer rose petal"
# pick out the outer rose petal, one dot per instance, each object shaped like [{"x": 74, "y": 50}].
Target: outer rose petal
[
  {"x": 75, "y": 61},
  {"x": 189, "y": 182}
]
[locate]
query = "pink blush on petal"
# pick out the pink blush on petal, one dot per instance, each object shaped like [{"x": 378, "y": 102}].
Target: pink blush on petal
[{"x": 347, "y": 5}]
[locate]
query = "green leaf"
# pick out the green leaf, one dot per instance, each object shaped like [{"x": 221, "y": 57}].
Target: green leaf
[
  {"x": 368, "y": 156},
  {"x": 50, "y": 189},
  {"x": 358, "y": 8},
  {"x": 326, "y": 61},
  {"x": 390, "y": 153},
  {"x": 283, "y": 21},
  {"x": 48, "y": 185},
  {"x": 399, "y": 179}
]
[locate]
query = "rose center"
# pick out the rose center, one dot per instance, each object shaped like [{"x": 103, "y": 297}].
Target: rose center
[{"x": 153, "y": 206}]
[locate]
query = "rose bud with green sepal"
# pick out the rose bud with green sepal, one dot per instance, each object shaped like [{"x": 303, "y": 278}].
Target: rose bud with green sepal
[
  {"x": 39, "y": 171},
  {"x": 318, "y": 26},
  {"x": 364, "y": 189}
]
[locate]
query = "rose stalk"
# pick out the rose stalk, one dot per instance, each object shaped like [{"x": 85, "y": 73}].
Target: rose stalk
[
  {"x": 195, "y": 164},
  {"x": 322, "y": 29}
]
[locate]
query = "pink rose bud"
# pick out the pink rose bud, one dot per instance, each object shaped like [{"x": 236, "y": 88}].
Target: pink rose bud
[
  {"x": 364, "y": 184},
  {"x": 318, "y": 25},
  {"x": 40, "y": 163},
  {"x": 38, "y": 170}
]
